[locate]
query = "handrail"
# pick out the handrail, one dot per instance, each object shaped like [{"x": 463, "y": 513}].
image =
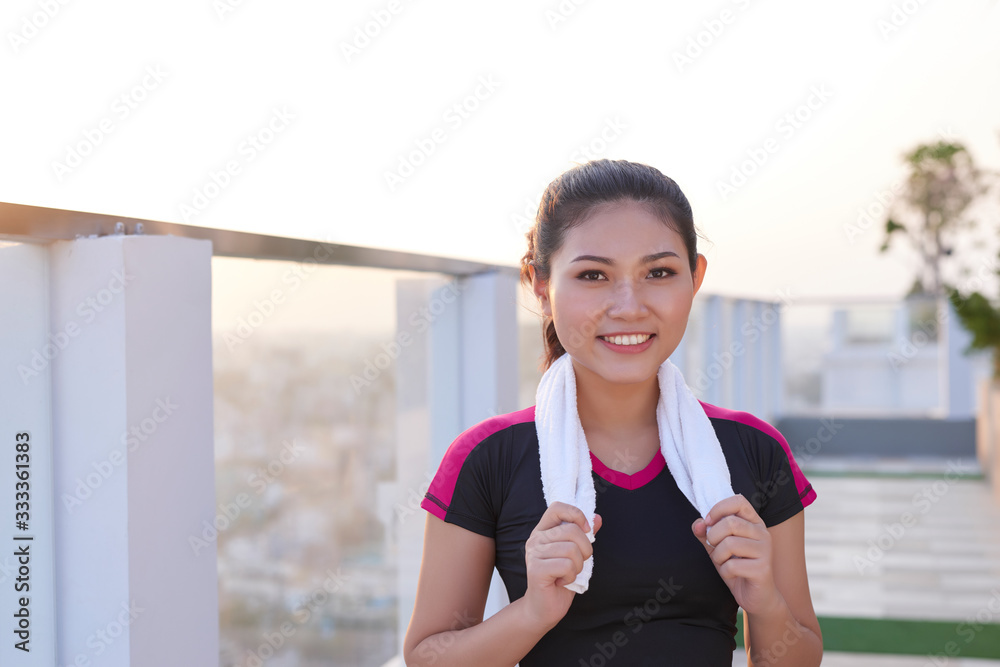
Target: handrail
[{"x": 24, "y": 223}]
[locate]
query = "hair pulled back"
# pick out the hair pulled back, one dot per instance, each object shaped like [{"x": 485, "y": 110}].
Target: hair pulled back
[{"x": 574, "y": 195}]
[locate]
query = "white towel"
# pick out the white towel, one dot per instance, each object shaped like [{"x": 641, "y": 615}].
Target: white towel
[{"x": 687, "y": 440}]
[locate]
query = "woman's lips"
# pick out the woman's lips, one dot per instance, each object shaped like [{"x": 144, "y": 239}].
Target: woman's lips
[{"x": 628, "y": 349}]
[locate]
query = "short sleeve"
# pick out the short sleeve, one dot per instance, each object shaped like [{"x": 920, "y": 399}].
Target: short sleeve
[
  {"x": 464, "y": 490},
  {"x": 784, "y": 488}
]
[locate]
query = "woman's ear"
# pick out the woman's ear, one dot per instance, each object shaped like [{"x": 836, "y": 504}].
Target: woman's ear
[
  {"x": 541, "y": 289},
  {"x": 699, "y": 273}
]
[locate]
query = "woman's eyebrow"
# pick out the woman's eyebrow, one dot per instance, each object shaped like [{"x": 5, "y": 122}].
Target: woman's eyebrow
[{"x": 610, "y": 262}]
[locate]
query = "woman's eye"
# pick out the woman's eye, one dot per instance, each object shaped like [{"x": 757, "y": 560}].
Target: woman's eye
[{"x": 663, "y": 271}]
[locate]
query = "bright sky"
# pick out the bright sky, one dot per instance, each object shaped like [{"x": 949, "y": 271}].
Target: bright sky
[{"x": 138, "y": 109}]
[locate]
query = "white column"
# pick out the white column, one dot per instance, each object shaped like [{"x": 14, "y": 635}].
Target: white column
[
  {"x": 774, "y": 369},
  {"x": 463, "y": 368},
  {"x": 134, "y": 476},
  {"x": 712, "y": 343},
  {"x": 738, "y": 315},
  {"x": 953, "y": 339},
  {"x": 27, "y": 549}
]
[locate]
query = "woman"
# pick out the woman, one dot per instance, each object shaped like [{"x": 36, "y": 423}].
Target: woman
[{"x": 613, "y": 253}]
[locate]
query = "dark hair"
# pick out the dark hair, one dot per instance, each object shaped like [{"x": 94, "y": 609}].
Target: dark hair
[{"x": 573, "y": 196}]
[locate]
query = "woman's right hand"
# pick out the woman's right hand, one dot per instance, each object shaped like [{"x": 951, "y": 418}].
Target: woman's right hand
[{"x": 554, "y": 554}]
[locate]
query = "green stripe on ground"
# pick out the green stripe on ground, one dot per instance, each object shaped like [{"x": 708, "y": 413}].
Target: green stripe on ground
[
  {"x": 964, "y": 639},
  {"x": 890, "y": 474}
]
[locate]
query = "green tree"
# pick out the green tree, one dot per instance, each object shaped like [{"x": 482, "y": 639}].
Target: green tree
[
  {"x": 931, "y": 212},
  {"x": 982, "y": 320}
]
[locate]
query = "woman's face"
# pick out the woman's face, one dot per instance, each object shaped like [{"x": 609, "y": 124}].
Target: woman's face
[{"x": 622, "y": 271}]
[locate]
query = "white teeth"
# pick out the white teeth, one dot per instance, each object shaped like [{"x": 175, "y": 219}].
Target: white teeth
[{"x": 634, "y": 339}]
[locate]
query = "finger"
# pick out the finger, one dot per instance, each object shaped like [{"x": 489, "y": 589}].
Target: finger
[
  {"x": 736, "y": 547},
  {"x": 734, "y": 526},
  {"x": 740, "y": 568},
  {"x": 559, "y": 571},
  {"x": 700, "y": 530},
  {"x": 559, "y": 512},
  {"x": 569, "y": 533},
  {"x": 560, "y": 551},
  {"x": 598, "y": 522},
  {"x": 733, "y": 505}
]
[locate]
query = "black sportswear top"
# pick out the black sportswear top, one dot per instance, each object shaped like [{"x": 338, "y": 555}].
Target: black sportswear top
[{"x": 655, "y": 597}]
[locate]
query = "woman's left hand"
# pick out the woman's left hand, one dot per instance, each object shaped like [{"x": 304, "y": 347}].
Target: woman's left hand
[{"x": 739, "y": 544}]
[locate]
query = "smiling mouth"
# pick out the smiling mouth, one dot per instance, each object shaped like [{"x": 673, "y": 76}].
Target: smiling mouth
[{"x": 634, "y": 339}]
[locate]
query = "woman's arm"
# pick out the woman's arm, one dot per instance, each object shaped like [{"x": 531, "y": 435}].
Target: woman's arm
[
  {"x": 790, "y": 633},
  {"x": 765, "y": 568},
  {"x": 447, "y": 626}
]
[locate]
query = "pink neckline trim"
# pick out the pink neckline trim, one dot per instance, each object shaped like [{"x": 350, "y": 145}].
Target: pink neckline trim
[{"x": 633, "y": 481}]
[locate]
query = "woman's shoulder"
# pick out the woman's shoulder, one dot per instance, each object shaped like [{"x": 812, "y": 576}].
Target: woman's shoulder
[
  {"x": 490, "y": 431},
  {"x": 481, "y": 455},
  {"x": 746, "y": 419},
  {"x": 491, "y": 426},
  {"x": 765, "y": 444}
]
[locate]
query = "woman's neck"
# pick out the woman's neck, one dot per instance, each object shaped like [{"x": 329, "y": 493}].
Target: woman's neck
[{"x": 611, "y": 409}]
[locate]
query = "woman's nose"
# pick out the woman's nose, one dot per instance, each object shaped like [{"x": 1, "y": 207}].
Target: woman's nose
[{"x": 627, "y": 300}]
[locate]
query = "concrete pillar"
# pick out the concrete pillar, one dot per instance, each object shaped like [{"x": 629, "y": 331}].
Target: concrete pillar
[
  {"x": 133, "y": 480},
  {"x": 27, "y": 586}
]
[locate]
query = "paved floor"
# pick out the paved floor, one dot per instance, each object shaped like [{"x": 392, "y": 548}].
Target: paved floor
[{"x": 901, "y": 539}]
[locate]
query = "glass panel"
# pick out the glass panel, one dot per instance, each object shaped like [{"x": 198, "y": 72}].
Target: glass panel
[
  {"x": 806, "y": 332},
  {"x": 922, "y": 316},
  {"x": 305, "y": 418},
  {"x": 869, "y": 323}
]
